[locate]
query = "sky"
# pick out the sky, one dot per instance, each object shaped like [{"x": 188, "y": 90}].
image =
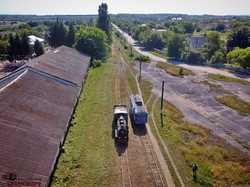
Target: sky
[{"x": 85, "y": 7}]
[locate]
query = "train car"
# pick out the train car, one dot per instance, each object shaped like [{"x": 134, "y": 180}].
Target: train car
[
  {"x": 138, "y": 110},
  {"x": 121, "y": 124}
]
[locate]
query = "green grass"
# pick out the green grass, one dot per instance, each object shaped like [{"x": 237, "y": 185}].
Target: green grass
[
  {"x": 206, "y": 82},
  {"x": 242, "y": 107},
  {"x": 174, "y": 70},
  {"x": 218, "y": 163},
  {"x": 220, "y": 77},
  {"x": 223, "y": 36},
  {"x": 89, "y": 159},
  {"x": 159, "y": 55}
]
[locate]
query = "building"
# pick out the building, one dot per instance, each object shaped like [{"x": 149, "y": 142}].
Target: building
[
  {"x": 159, "y": 30},
  {"x": 32, "y": 39},
  {"x": 37, "y": 102},
  {"x": 197, "y": 41}
]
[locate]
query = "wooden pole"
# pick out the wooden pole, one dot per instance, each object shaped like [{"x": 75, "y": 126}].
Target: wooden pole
[{"x": 162, "y": 91}]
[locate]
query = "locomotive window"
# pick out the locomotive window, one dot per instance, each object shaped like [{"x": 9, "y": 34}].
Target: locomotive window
[{"x": 139, "y": 103}]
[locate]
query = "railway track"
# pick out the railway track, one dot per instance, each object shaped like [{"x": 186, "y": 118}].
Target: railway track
[
  {"x": 149, "y": 151},
  {"x": 122, "y": 151}
]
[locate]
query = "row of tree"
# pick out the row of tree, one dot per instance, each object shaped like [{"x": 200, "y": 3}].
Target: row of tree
[
  {"x": 94, "y": 40},
  {"x": 18, "y": 48},
  {"x": 91, "y": 40}
]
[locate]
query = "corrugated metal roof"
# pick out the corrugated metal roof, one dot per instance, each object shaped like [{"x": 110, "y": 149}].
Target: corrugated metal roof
[
  {"x": 64, "y": 63},
  {"x": 35, "y": 109}
]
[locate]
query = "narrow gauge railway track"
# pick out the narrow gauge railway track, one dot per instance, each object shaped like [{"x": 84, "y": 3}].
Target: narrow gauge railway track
[
  {"x": 151, "y": 157},
  {"x": 123, "y": 158}
]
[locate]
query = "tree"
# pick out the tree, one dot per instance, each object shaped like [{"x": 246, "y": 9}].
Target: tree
[
  {"x": 213, "y": 42},
  {"x": 136, "y": 31},
  {"x": 240, "y": 37},
  {"x": 155, "y": 40},
  {"x": 240, "y": 56},
  {"x": 93, "y": 41},
  {"x": 56, "y": 34},
  {"x": 177, "y": 46},
  {"x": 103, "y": 21},
  {"x": 4, "y": 47},
  {"x": 71, "y": 36},
  {"x": 218, "y": 57},
  {"x": 220, "y": 26},
  {"x": 237, "y": 24},
  {"x": 38, "y": 48},
  {"x": 177, "y": 29},
  {"x": 188, "y": 26},
  {"x": 25, "y": 50},
  {"x": 11, "y": 56}
]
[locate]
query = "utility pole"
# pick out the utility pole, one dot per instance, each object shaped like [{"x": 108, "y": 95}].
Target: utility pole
[
  {"x": 162, "y": 91},
  {"x": 140, "y": 70}
]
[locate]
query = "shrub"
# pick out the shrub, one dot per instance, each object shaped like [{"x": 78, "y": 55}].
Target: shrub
[
  {"x": 96, "y": 63},
  {"x": 142, "y": 58}
]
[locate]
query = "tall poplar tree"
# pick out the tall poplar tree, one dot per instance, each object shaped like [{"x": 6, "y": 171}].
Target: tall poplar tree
[{"x": 103, "y": 21}]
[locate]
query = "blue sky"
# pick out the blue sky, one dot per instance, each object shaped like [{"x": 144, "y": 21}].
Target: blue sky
[{"x": 55, "y": 7}]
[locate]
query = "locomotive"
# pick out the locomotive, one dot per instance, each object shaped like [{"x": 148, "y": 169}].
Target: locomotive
[
  {"x": 121, "y": 123},
  {"x": 137, "y": 109}
]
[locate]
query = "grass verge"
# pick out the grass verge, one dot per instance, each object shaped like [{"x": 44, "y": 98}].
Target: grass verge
[
  {"x": 174, "y": 70},
  {"x": 159, "y": 55},
  {"x": 242, "y": 107},
  {"x": 89, "y": 159},
  {"x": 219, "y": 164},
  {"x": 219, "y": 77}
]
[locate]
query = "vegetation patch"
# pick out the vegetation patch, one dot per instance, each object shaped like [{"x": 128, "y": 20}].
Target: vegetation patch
[
  {"x": 220, "y": 77},
  {"x": 143, "y": 58},
  {"x": 219, "y": 164},
  {"x": 206, "y": 82},
  {"x": 159, "y": 55},
  {"x": 242, "y": 107},
  {"x": 174, "y": 70},
  {"x": 89, "y": 158}
]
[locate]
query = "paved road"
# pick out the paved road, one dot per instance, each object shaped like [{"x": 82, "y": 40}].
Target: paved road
[{"x": 195, "y": 68}]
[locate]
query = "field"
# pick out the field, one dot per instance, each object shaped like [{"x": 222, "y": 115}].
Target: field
[{"x": 223, "y": 36}]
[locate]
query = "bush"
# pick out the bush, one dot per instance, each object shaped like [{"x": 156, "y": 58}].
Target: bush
[
  {"x": 142, "y": 58},
  {"x": 96, "y": 63}
]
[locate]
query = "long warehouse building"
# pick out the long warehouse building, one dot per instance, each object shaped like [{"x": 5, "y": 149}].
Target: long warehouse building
[{"x": 36, "y": 104}]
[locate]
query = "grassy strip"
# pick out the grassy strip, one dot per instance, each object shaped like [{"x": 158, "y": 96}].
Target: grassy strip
[
  {"x": 89, "y": 159},
  {"x": 219, "y": 163},
  {"x": 159, "y": 55},
  {"x": 220, "y": 77},
  {"x": 242, "y": 107},
  {"x": 174, "y": 70}
]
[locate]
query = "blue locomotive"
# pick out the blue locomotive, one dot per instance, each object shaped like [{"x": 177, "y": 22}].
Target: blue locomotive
[{"x": 138, "y": 110}]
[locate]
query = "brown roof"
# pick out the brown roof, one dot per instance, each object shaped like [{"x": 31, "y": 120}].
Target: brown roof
[
  {"x": 63, "y": 62},
  {"x": 36, "y": 105}
]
